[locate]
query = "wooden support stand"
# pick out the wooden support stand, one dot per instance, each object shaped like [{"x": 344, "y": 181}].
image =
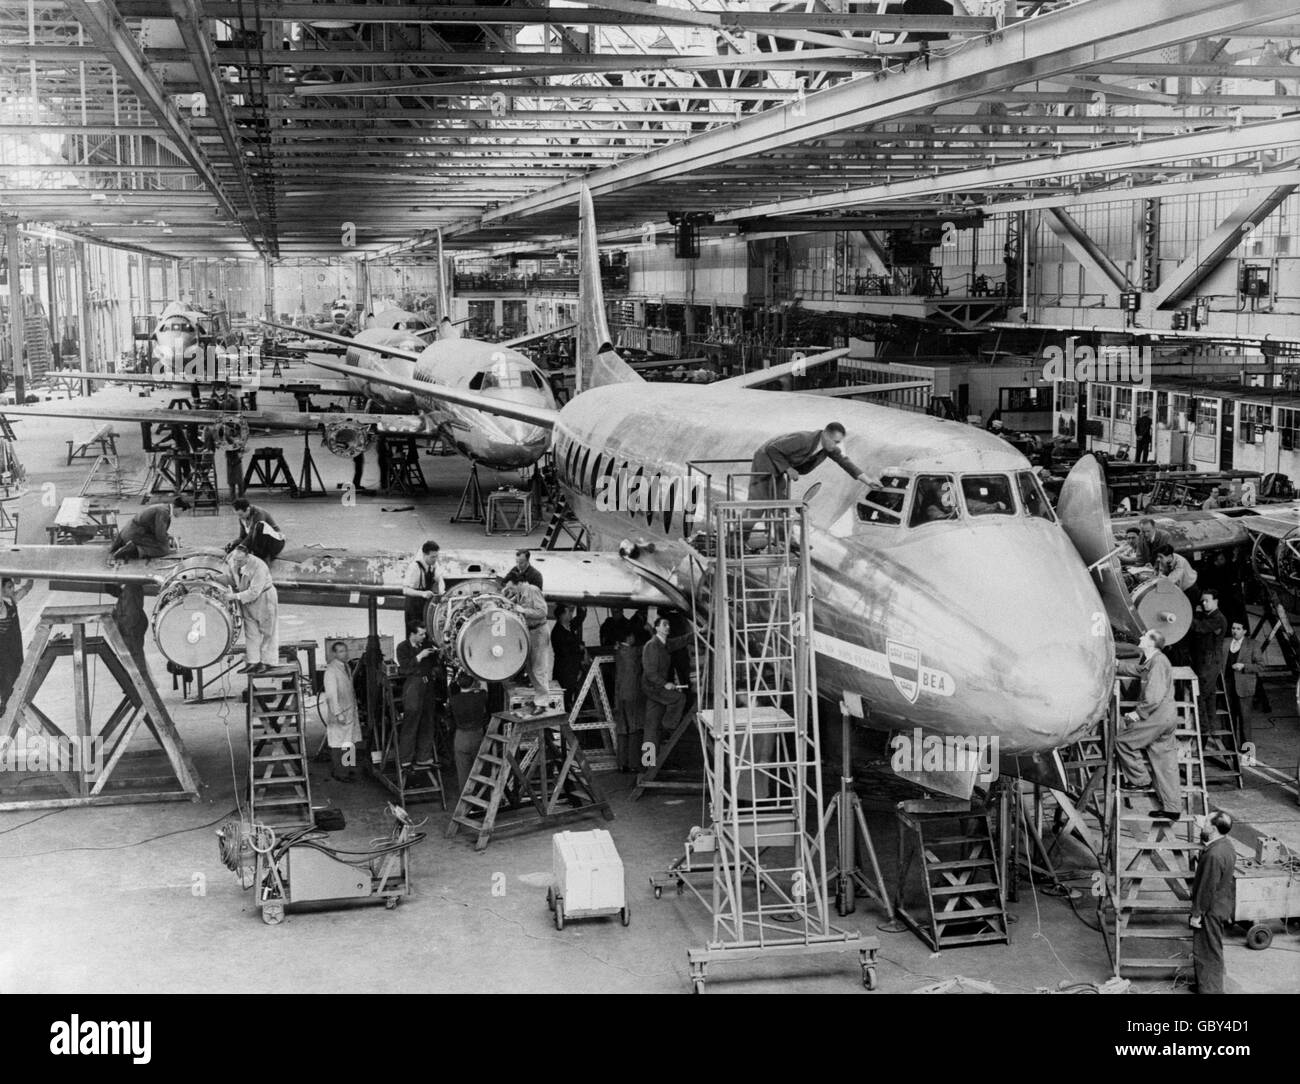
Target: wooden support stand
[
  {"x": 518, "y": 747},
  {"x": 139, "y": 777}
]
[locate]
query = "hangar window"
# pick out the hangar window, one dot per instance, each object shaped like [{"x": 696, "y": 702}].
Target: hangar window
[
  {"x": 1032, "y": 496},
  {"x": 1288, "y": 428},
  {"x": 988, "y": 495},
  {"x": 1207, "y": 416},
  {"x": 1254, "y": 422},
  {"x": 885, "y": 504},
  {"x": 936, "y": 500},
  {"x": 1100, "y": 397}
]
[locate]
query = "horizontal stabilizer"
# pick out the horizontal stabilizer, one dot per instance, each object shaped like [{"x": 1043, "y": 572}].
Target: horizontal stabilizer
[{"x": 791, "y": 368}]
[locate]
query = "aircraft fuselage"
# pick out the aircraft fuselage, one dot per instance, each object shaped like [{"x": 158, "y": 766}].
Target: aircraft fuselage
[{"x": 984, "y": 625}]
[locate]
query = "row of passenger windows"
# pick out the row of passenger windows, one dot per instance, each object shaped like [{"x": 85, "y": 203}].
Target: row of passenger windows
[
  {"x": 622, "y": 485},
  {"x": 947, "y": 497}
]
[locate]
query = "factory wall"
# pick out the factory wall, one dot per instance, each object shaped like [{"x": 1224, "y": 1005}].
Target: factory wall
[
  {"x": 720, "y": 276},
  {"x": 1058, "y": 281}
]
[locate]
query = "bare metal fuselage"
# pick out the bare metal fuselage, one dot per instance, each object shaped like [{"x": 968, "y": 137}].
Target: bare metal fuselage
[{"x": 1001, "y": 618}]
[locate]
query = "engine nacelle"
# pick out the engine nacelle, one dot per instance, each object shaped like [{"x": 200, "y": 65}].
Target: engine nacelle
[
  {"x": 231, "y": 434},
  {"x": 195, "y": 624},
  {"x": 348, "y": 439},
  {"x": 476, "y": 627}
]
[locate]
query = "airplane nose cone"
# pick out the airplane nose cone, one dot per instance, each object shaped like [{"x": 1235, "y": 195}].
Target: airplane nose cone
[
  {"x": 1018, "y": 627},
  {"x": 1057, "y": 689}
]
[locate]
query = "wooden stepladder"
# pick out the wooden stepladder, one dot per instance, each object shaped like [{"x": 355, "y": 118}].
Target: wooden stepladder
[
  {"x": 279, "y": 788},
  {"x": 1148, "y": 862},
  {"x": 407, "y": 784},
  {"x": 949, "y": 845},
  {"x": 82, "y": 763},
  {"x": 519, "y": 747}
]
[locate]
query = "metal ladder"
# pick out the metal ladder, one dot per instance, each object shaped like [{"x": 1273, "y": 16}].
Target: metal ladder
[
  {"x": 564, "y": 524},
  {"x": 762, "y": 750},
  {"x": 1219, "y": 746},
  {"x": 517, "y": 747},
  {"x": 1148, "y": 863},
  {"x": 279, "y": 787}
]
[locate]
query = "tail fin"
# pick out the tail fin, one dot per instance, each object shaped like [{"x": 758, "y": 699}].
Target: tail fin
[
  {"x": 597, "y": 362},
  {"x": 444, "y": 310}
]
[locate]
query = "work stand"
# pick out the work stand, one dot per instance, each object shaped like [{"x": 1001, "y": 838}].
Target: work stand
[
  {"x": 519, "y": 747},
  {"x": 122, "y": 777}
]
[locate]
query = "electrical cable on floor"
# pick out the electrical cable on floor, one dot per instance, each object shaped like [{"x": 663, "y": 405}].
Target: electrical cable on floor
[
  {"x": 14, "y": 828},
  {"x": 117, "y": 846}
]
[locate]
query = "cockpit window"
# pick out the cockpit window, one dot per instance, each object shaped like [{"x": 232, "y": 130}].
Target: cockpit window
[
  {"x": 505, "y": 376},
  {"x": 885, "y": 505},
  {"x": 988, "y": 495},
  {"x": 178, "y": 324},
  {"x": 410, "y": 325},
  {"x": 936, "y": 499},
  {"x": 1032, "y": 496}
]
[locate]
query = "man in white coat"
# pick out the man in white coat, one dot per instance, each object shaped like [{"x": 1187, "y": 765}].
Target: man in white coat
[
  {"x": 342, "y": 722},
  {"x": 260, "y": 604}
]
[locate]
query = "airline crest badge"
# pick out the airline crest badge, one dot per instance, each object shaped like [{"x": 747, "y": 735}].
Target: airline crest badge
[{"x": 905, "y": 668}]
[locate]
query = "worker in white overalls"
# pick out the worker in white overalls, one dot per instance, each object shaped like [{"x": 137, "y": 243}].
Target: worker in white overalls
[
  {"x": 260, "y": 604},
  {"x": 342, "y": 720}
]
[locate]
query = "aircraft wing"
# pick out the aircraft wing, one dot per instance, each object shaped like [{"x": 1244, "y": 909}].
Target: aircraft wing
[
  {"x": 253, "y": 382},
  {"x": 351, "y": 344},
  {"x": 332, "y": 576},
  {"x": 536, "y": 335},
  {"x": 412, "y": 425},
  {"x": 766, "y": 376},
  {"x": 542, "y": 416}
]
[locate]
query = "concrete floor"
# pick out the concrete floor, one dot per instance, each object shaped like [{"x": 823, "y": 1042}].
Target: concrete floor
[{"x": 93, "y": 901}]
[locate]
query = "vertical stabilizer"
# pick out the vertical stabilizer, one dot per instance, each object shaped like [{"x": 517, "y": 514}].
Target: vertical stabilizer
[{"x": 597, "y": 362}]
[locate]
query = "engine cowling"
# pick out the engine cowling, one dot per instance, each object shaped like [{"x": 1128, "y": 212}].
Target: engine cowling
[
  {"x": 195, "y": 624},
  {"x": 348, "y": 439},
  {"x": 477, "y": 628}
]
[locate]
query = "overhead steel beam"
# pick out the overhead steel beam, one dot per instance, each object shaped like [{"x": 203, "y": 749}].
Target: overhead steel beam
[
  {"x": 451, "y": 14},
  {"x": 1209, "y": 252},
  {"x": 106, "y": 28},
  {"x": 1067, "y": 40},
  {"x": 193, "y": 31},
  {"x": 827, "y": 59},
  {"x": 1140, "y": 192},
  {"x": 1120, "y": 158},
  {"x": 1096, "y": 264}
]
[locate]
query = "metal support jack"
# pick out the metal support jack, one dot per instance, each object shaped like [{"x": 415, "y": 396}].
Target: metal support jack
[
  {"x": 309, "y": 479},
  {"x": 471, "y": 508},
  {"x": 853, "y": 837}
]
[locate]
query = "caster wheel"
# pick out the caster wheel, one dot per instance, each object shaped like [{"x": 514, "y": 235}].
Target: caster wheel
[
  {"x": 390, "y": 904},
  {"x": 697, "y": 987},
  {"x": 550, "y": 899},
  {"x": 273, "y": 914},
  {"x": 869, "y": 977},
  {"x": 1259, "y": 937},
  {"x": 625, "y": 916},
  {"x": 658, "y": 892},
  {"x": 559, "y": 913}
]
